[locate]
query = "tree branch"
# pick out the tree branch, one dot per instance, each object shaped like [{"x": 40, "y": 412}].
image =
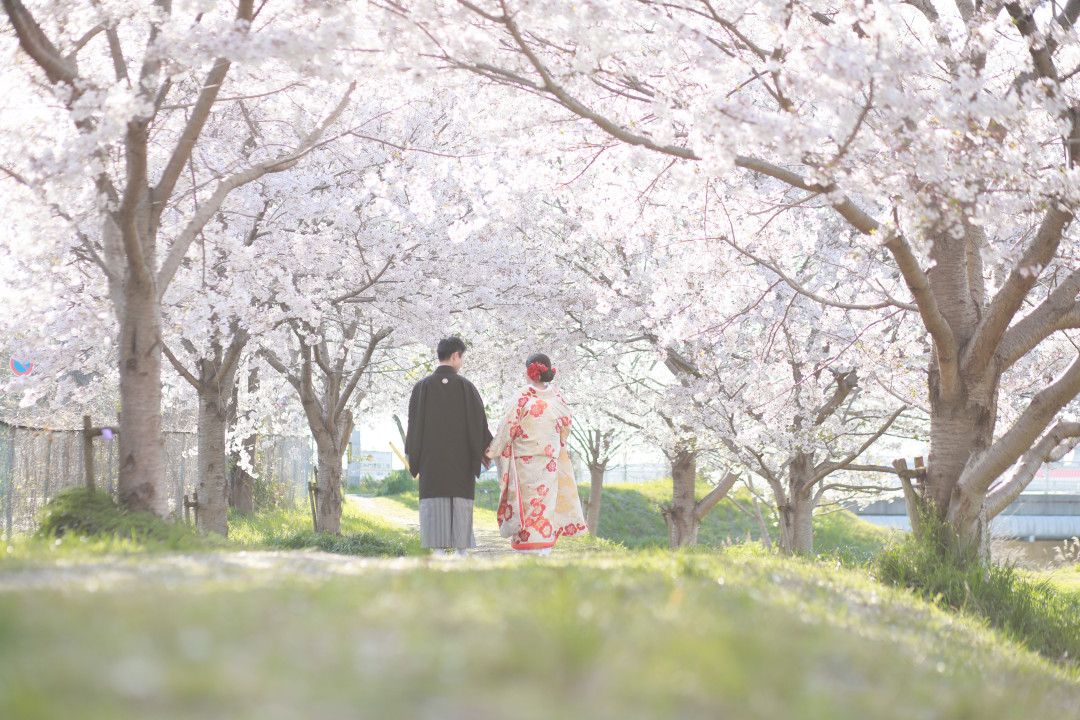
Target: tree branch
[
  {"x": 845, "y": 383},
  {"x": 797, "y": 287},
  {"x": 1059, "y": 440},
  {"x": 1058, "y": 311},
  {"x": 1010, "y": 297},
  {"x": 275, "y": 363},
  {"x": 36, "y": 44},
  {"x": 205, "y": 102},
  {"x": 210, "y": 207},
  {"x": 935, "y": 322},
  {"x": 346, "y": 393},
  {"x": 232, "y": 357},
  {"x": 183, "y": 371},
  {"x": 371, "y": 283},
  {"x": 826, "y": 469},
  {"x": 985, "y": 467},
  {"x": 718, "y": 493}
]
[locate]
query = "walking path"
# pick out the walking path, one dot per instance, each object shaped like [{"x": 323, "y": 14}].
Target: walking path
[
  {"x": 241, "y": 569},
  {"x": 488, "y": 541}
]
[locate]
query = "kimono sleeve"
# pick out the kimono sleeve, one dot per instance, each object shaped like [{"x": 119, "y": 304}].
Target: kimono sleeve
[
  {"x": 502, "y": 438},
  {"x": 415, "y": 432},
  {"x": 476, "y": 426}
]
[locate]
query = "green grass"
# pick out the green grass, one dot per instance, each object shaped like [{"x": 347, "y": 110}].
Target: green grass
[
  {"x": 632, "y": 635},
  {"x": 630, "y": 516},
  {"x": 1032, "y": 610},
  {"x": 82, "y": 523},
  {"x": 290, "y": 528},
  {"x": 78, "y": 524}
]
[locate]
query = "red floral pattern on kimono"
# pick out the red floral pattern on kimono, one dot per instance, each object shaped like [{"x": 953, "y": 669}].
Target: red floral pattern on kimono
[{"x": 538, "y": 501}]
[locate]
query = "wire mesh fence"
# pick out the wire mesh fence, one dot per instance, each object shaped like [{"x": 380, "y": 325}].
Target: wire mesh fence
[{"x": 36, "y": 463}]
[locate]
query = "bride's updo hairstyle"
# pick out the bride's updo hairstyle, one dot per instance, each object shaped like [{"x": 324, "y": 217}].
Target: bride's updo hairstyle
[{"x": 538, "y": 368}]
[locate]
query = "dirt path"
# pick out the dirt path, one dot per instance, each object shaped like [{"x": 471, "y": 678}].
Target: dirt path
[
  {"x": 239, "y": 569},
  {"x": 488, "y": 541}
]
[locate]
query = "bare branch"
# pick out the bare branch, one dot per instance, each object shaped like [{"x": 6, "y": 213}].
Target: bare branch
[
  {"x": 368, "y": 285},
  {"x": 827, "y": 468},
  {"x": 797, "y": 287}
]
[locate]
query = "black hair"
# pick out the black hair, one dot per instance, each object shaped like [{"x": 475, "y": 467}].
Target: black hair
[
  {"x": 549, "y": 374},
  {"x": 449, "y": 346}
]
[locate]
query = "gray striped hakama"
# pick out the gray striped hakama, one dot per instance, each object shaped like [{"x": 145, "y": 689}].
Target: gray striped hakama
[{"x": 446, "y": 523}]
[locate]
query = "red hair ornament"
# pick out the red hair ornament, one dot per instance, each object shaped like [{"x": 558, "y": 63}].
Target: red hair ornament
[{"x": 536, "y": 370}]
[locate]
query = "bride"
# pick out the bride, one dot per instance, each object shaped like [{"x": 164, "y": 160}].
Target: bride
[{"x": 538, "y": 498}]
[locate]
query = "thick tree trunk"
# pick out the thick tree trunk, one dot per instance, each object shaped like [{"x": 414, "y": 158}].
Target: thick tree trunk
[
  {"x": 213, "y": 509},
  {"x": 958, "y": 429},
  {"x": 596, "y": 484},
  {"x": 797, "y": 525},
  {"x": 329, "y": 496},
  {"x": 796, "y": 511},
  {"x": 681, "y": 515},
  {"x": 141, "y": 472}
]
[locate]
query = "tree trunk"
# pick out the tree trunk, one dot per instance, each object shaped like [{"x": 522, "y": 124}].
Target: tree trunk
[
  {"x": 596, "y": 484},
  {"x": 957, "y": 431},
  {"x": 797, "y": 525},
  {"x": 796, "y": 511},
  {"x": 213, "y": 509},
  {"x": 141, "y": 471},
  {"x": 329, "y": 495},
  {"x": 681, "y": 515},
  {"x": 241, "y": 482}
]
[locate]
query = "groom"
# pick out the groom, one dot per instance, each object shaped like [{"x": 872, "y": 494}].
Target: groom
[{"x": 445, "y": 444}]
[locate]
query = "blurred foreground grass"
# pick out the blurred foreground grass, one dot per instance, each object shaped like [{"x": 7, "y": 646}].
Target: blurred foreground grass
[{"x": 626, "y": 635}]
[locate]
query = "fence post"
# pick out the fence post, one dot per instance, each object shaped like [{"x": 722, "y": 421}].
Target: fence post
[
  {"x": 88, "y": 451},
  {"x": 192, "y": 503},
  {"x": 9, "y": 479},
  {"x": 48, "y": 467},
  {"x": 313, "y": 489}
]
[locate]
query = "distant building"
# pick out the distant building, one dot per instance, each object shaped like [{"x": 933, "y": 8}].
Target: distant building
[
  {"x": 368, "y": 463},
  {"x": 1062, "y": 477}
]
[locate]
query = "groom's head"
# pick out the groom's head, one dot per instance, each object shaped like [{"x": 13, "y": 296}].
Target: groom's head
[{"x": 451, "y": 352}]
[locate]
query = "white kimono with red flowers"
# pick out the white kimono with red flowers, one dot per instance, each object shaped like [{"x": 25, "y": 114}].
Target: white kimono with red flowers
[{"x": 538, "y": 498}]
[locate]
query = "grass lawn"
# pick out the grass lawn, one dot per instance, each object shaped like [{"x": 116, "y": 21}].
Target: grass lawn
[
  {"x": 621, "y": 635},
  {"x": 595, "y": 631},
  {"x": 630, "y": 516}
]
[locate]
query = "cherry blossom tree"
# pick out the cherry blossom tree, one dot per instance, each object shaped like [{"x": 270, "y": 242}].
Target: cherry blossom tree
[
  {"x": 596, "y": 441},
  {"x": 942, "y": 135},
  {"x": 128, "y": 99}
]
